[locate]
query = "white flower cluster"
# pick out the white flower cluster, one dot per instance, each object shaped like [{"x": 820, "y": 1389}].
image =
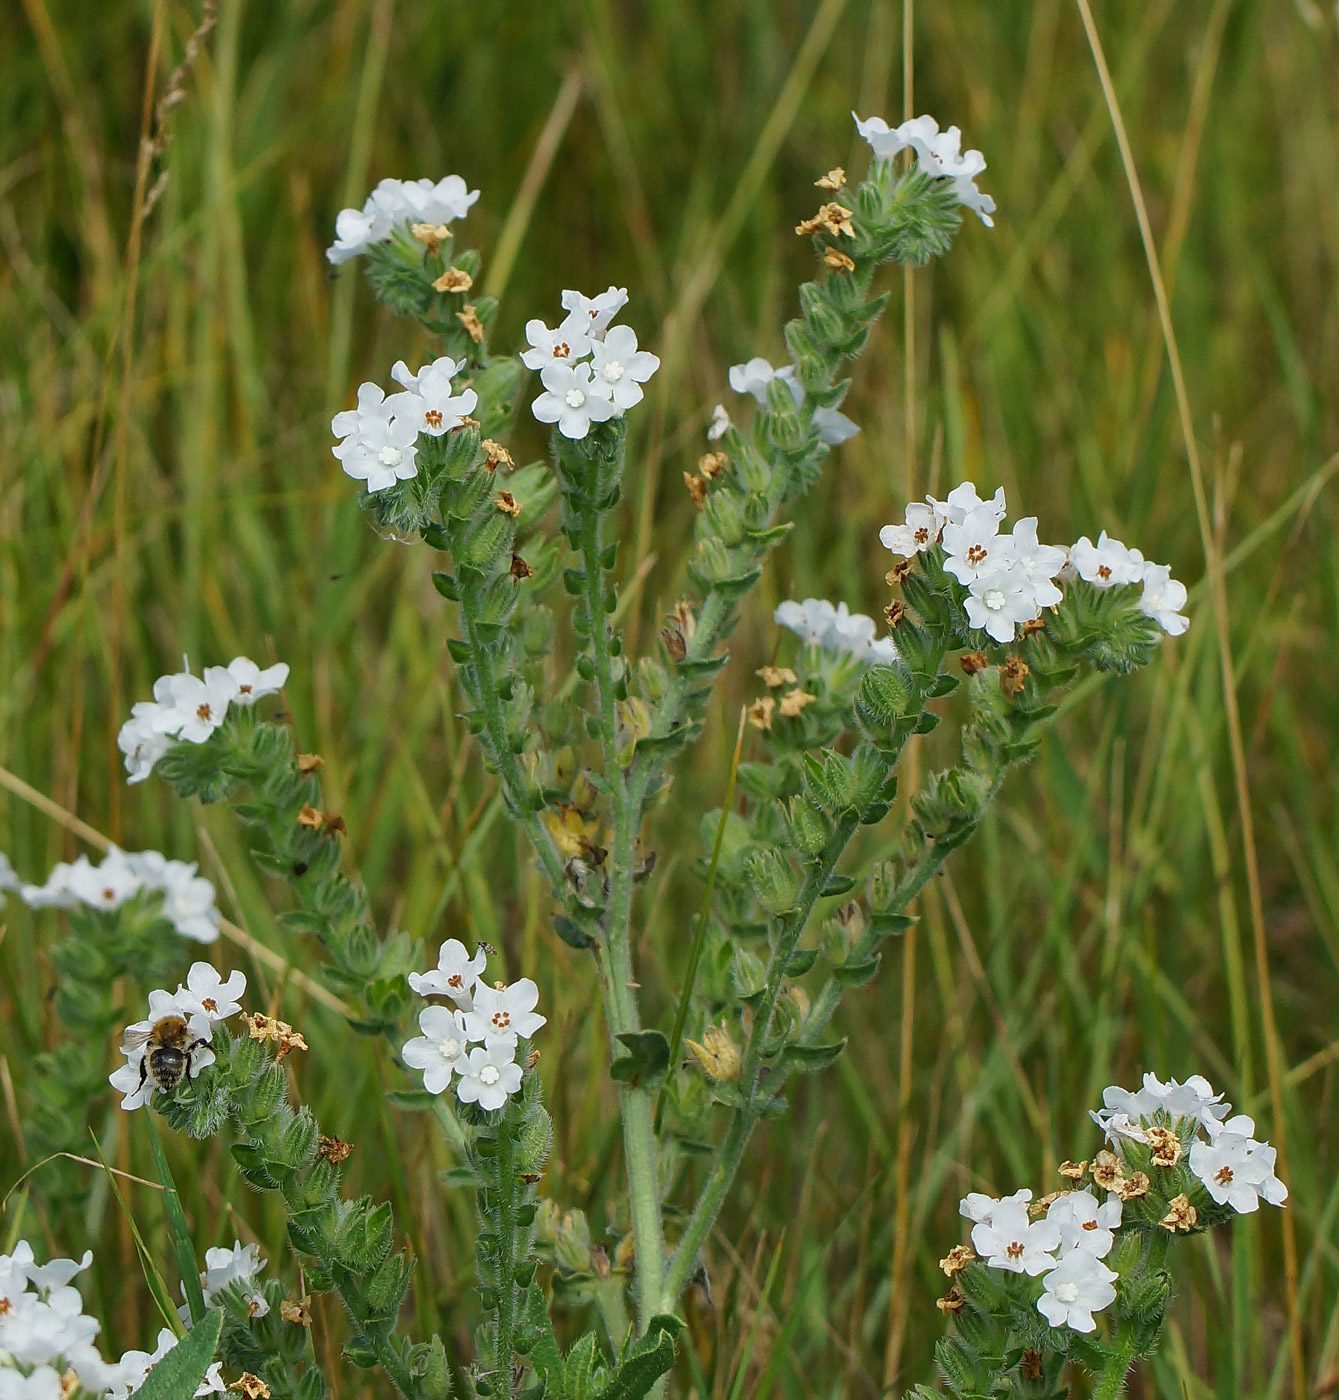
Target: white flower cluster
[
  {"x": 190, "y": 708},
  {"x": 398, "y": 202},
  {"x": 188, "y": 898},
  {"x": 1066, "y": 1246},
  {"x": 474, "y": 1040},
  {"x": 938, "y": 153},
  {"x": 1011, "y": 578},
  {"x": 817, "y": 623},
  {"x": 45, "y": 1335},
  {"x": 204, "y": 1002},
  {"x": 1234, "y": 1168},
  {"x": 225, "y": 1267},
  {"x": 379, "y": 439},
  {"x": 753, "y": 377},
  {"x": 580, "y": 391}
]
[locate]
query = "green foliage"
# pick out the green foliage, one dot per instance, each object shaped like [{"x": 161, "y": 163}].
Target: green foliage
[{"x": 178, "y": 1374}]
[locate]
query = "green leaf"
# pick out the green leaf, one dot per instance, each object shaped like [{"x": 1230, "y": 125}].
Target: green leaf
[
  {"x": 650, "y": 1358},
  {"x": 410, "y": 1100},
  {"x": 801, "y": 961},
  {"x": 647, "y": 1059},
  {"x": 856, "y": 974},
  {"x": 571, "y": 933},
  {"x": 178, "y": 1375},
  {"x": 809, "y": 1059},
  {"x": 836, "y": 884}
]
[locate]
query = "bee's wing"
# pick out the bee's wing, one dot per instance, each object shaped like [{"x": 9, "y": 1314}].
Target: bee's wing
[{"x": 135, "y": 1040}]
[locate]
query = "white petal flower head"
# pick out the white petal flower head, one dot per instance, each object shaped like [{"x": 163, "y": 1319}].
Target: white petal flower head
[
  {"x": 43, "y": 1330},
  {"x": 1193, "y": 1099},
  {"x": 1039, "y": 563},
  {"x": 372, "y": 404},
  {"x": 55, "y": 1273},
  {"x": 197, "y": 704},
  {"x": 962, "y": 500},
  {"x": 571, "y": 400},
  {"x": 456, "y": 975},
  {"x": 141, "y": 741},
  {"x": 238, "y": 1265},
  {"x": 1163, "y": 598},
  {"x": 975, "y": 547},
  {"x": 810, "y": 620},
  {"x": 8, "y": 879},
  {"x": 1236, "y": 1170},
  {"x": 1085, "y": 1223},
  {"x": 1014, "y": 1242},
  {"x": 441, "y": 1050},
  {"x": 382, "y": 453},
  {"x": 834, "y": 427},
  {"x": 505, "y": 1012},
  {"x": 217, "y": 997},
  {"x": 856, "y": 634},
  {"x": 444, "y": 202},
  {"x": 596, "y": 313},
  {"x": 104, "y": 886},
  {"x": 1106, "y": 564},
  {"x": 42, "y": 1383},
  {"x": 138, "y": 1088},
  {"x": 915, "y": 535},
  {"x": 188, "y": 898},
  {"x": 619, "y": 368},
  {"x": 56, "y": 892},
  {"x": 490, "y": 1076},
  {"x": 430, "y": 403},
  {"x": 938, "y": 153},
  {"x": 253, "y": 683},
  {"x": 998, "y": 602},
  {"x": 977, "y": 1206},
  {"x": 720, "y": 423},
  {"x": 753, "y": 377},
  {"x": 1077, "y": 1288},
  {"x": 356, "y": 230},
  {"x": 569, "y": 343}
]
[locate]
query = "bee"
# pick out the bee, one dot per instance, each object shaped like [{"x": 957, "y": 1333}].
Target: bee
[{"x": 168, "y": 1051}]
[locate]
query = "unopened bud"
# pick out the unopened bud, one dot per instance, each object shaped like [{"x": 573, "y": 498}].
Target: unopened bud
[{"x": 717, "y": 1054}]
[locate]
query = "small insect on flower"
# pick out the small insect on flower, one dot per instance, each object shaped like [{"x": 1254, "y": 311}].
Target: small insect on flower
[{"x": 168, "y": 1046}]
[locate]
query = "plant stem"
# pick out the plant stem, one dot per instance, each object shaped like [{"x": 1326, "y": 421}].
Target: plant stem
[
  {"x": 1112, "y": 1380},
  {"x": 506, "y": 1254}
]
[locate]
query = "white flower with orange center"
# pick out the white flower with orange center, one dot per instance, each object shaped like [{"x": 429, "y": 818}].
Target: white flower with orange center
[
  {"x": 456, "y": 974},
  {"x": 1012, "y": 1240},
  {"x": 429, "y": 401},
  {"x": 1085, "y": 1223},
  {"x": 917, "y": 534},
  {"x": 507, "y": 1013}
]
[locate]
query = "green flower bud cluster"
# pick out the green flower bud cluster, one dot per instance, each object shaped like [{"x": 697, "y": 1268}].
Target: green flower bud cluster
[{"x": 278, "y": 796}]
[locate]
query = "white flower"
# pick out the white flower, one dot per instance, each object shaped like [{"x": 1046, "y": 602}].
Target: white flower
[
  {"x": 141, "y": 741},
  {"x": 43, "y": 1383},
  {"x": 998, "y": 602},
  {"x": 128, "y": 1375},
  {"x": 975, "y": 547},
  {"x": 917, "y": 534},
  {"x": 1010, "y": 1240},
  {"x": 753, "y": 377},
  {"x": 188, "y": 903},
  {"x": 1163, "y": 598},
  {"x": 1236, "y": 1169},
  {"x": 1193, "y": 1099},
  {"x": 217, "y": 998},
  {"x": 490, "y": 1076},
  {"x": 372, "y": 403},
  {"x": 430, "y": 403},
  {"x": 977, "y": 1206},
  {"x": 455, "y": 976},
  {"x": 238, "y": 1265},
  {"x": 938, "y": 153},
  {"x": 962, "y": 500},
  {"x": 810, "y": 620},
  {"x": 505, "y": 1012},
  {"x": 569, "y": 343},
  {"x": 42, "y": 1330},
  {"x": 720, "y": 423},
  {"x": 597, "y": 312},
  {"x": 55, "y": 1273},
  {"x": 398, "y": 201},
  {"x": 620, "y": 369},
  {"x": 834, "y": 427},
  {"x": 441, "y": 203},
  {"x": 1075, "y": 1289},
  {"x": 441, "y": 1050},
  {"x": 571, "y": 400},
  {"x": 381, "y": 453},
  {"x": 1038, "y": 563},
  {"x": 1119, "y": 1127},
  {"x": 1106, "y": 563},
  {"x": 817, "y": 623},
  {"x": 104, "y": 886},
  {"x": 253, "y": 683},
  {"x": 1084, "y": 1223},
  {"x": 196, "y": 705}
]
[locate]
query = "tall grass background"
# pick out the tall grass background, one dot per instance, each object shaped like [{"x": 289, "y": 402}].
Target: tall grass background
[{"x": 166, "y": 486}]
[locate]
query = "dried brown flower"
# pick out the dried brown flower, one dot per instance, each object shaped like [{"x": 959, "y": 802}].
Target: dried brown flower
[
  {"x": 774, "y": 676},
  {"x": 760, "y": 712},
  {"x": 833, "y": 180},
  {"x": 697, "y": 488},
  {"x": 1133, "y": 1187},
  {"x": 837, "y": 260},
  {"x": 1181, "y": 1215},
  {"x": 1031, "y": 1365},
  {"x": 832, "y": 217},
  {"x": 520, "y": 569},
  {"x": 972, "y": 662},
  {"x": 1166, "y": 1145},
  {"x": 309, "y": 762},
  {"x": 434, "y": 235},
  {"x": 264, "y": 1027},
  {"x": 507, "y": 504},
  {"x": 332, "y": 1149},
  {"x": 251, "y": 1386},
  {"x": 297, "y": 1310},
  {"x": 717, "y": 1054},
  {"x": 712, "y": 464},
  {"x": 899, "y": 572},
  {"x": 1106, "y": 1170},
  {"x": 1032, "y": 627},
  {"x": 952, "y": 1302},
  {"x": 957, "y": 1259},
  {"x": 454, "y": 279},
  {"x": 794, "y": 701},
  {"x": 498, "y": 456},
  {"x": 310, "y": 816},
  {"x": 1074, "y": 1171},
  {"x": 895, "y": 612},
  {"x": 1013, "y": 674},
  {"x": 474, "y": 327}
]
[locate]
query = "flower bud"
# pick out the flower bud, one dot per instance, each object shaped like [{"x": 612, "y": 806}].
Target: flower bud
[
  {"x": 806, "y": 826},
  {"x": 548, "y": 1221},
  {"x": 652, "y": 678},
  {"x": 712, "y": 559},
  {"x": 717, "y": 1054},
  {"x": 724, "y": 517},
  {"x": 773, "y": 879},
  {"x": 748, "y": 972},
  {"x": 572, "y": 1248}
]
